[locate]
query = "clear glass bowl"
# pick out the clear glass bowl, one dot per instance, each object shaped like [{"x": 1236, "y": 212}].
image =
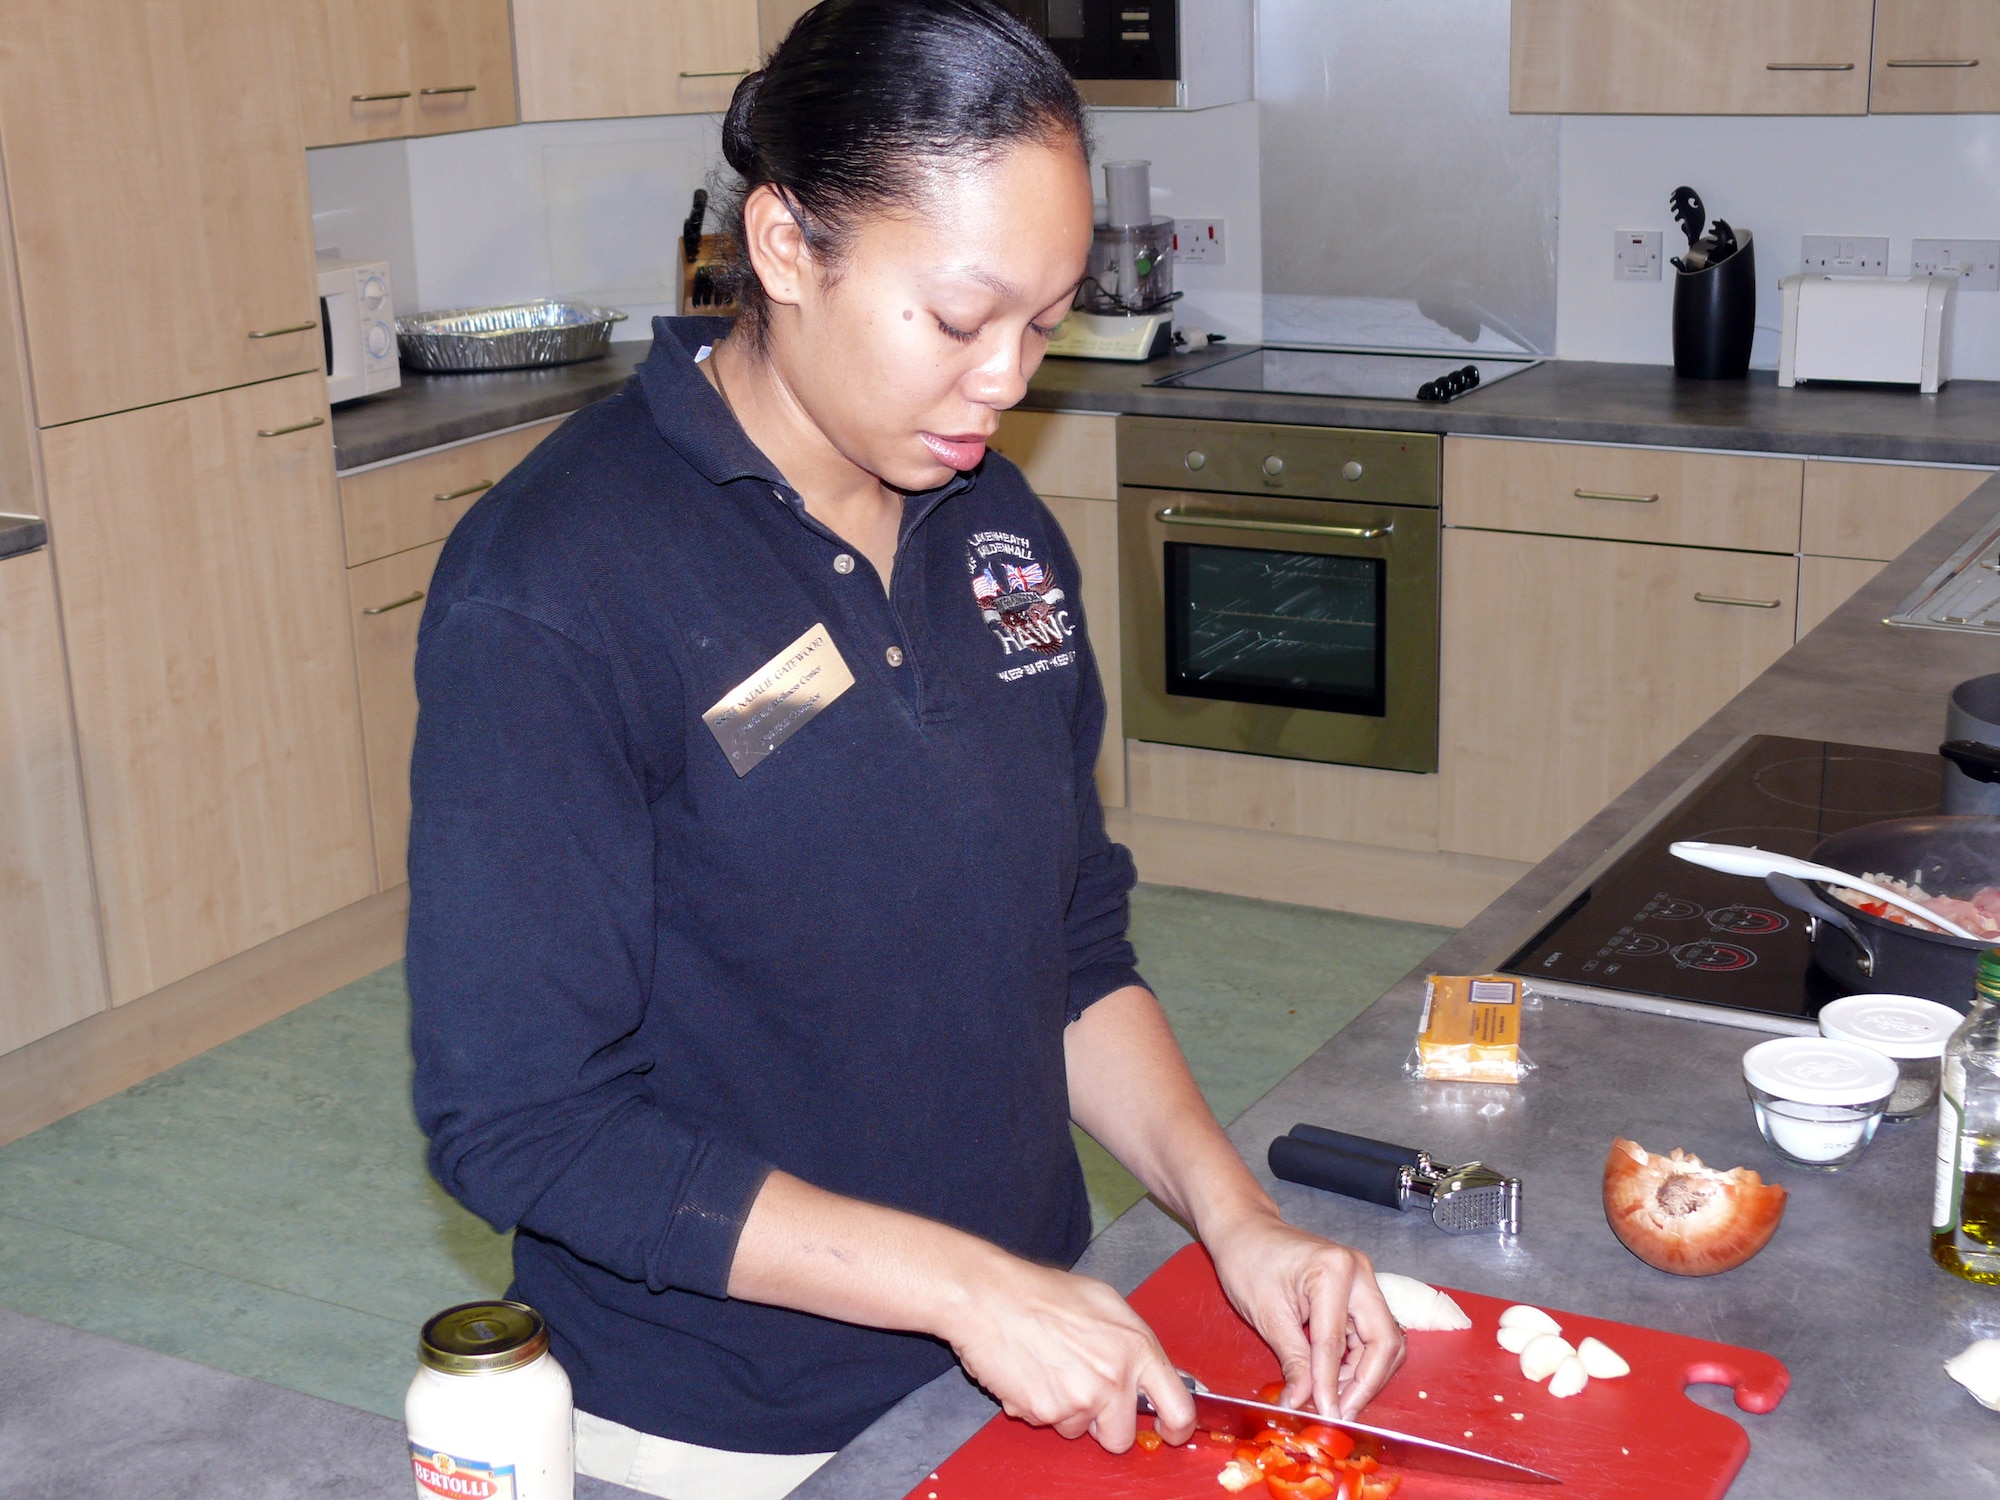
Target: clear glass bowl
[{"x": 1823, "y": 1137}]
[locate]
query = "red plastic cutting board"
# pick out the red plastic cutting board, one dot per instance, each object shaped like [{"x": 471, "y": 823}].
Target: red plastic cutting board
[{"x": 1636, "y": 1438}]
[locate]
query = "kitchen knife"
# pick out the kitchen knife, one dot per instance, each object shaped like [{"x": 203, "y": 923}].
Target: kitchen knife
[{"x": 1395, "y": 1450}]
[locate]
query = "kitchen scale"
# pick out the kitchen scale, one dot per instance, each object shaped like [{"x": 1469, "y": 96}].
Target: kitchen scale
[{"x": 1646, "y": 931}]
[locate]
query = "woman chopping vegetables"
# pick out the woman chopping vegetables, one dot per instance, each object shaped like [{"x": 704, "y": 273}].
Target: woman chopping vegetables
[{"x": 765, "y": 937}]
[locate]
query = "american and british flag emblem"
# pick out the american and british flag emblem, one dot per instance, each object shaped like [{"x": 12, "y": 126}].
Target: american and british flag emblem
[
  {"x": 1029, "y": 578},
  {"x": 984, "y": 589}
]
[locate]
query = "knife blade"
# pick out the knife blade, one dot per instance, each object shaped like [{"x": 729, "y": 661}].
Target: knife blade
[{"x": 1242, "y": 1418}]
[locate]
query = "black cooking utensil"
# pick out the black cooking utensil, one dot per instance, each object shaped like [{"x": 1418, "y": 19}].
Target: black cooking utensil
[
  {"x": 1979, "y": 761},
  {"x": 1360, "y": 1145},
  {"x": 1687, "y": 207},
  {"x": 1722, "y": 241},
  {"x": 1471, "y": 1199},
  {"x": 691, "y": 231}
]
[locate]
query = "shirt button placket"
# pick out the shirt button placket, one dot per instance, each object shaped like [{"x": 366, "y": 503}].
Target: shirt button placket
[
  {"x": 843, "y": 563},
  {"x": 894, "y": 655}
]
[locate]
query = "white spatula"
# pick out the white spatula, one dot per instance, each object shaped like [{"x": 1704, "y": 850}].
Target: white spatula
[{"x": 1737, "y": 859}]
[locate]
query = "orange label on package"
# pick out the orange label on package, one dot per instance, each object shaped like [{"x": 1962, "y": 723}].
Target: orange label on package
[
  {"x": 443, "y": 1476},
  {"x": 1471, "y": 1028}
]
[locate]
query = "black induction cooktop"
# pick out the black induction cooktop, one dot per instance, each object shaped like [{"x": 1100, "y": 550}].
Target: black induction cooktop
[
  {"x": 1652, "y": 932},
  {"x": 1367, "y": 374}
]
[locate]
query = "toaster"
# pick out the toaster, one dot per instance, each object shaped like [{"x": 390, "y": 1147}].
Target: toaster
[
  {"x": 357, "y": 319},
  {"x": 1894, "y": 331}
]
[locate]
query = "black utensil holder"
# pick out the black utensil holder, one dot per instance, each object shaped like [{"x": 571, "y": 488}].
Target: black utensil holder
[{"x": 1715, "y": 316}]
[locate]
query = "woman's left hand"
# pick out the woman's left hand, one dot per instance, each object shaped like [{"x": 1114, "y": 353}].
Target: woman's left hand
[{"x": 1316, "y": 1304}]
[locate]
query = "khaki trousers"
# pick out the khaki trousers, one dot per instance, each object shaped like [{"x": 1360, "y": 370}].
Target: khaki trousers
[{"x": 685, "y": 1471}]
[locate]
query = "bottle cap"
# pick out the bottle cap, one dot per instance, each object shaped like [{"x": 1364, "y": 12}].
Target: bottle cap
[
  {"x": 483, "y": 1338},
  {"x": 1900, "y": 1026},
  {"x": 1819, "y": 1070}
]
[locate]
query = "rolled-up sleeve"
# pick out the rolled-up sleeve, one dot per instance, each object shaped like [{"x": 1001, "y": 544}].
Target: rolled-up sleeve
[
  {"x": 531, "y": 947},
  {"x": 1101, "y": 959}
]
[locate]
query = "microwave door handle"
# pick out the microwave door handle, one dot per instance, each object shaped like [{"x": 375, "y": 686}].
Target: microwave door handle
[{"x": 1174, "y": 515}]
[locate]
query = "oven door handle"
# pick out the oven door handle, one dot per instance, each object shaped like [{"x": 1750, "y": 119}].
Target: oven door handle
[{"x": 1175, "y": 515}]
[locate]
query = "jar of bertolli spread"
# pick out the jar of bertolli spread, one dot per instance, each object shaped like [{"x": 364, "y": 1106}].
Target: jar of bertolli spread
[{"x": 489, "y": 1412}]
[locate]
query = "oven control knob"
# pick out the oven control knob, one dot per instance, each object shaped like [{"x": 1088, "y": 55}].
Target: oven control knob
[
  {"x": 377, "y": 341},
  {"x": 1196, "y": 458},
  {"x": 1350, "y": 471},
  {"x": 1274, "y": 466}
]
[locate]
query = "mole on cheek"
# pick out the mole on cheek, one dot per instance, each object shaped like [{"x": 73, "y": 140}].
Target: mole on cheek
[{"x": 908, "y": 314}]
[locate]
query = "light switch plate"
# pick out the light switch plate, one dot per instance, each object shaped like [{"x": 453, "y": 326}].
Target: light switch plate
[
  {"x": 1200, "y": 242},
  {"x": 1977, "y": 262},
  {"x": 1635, "y": 255},
  {"x": 1845, "y": 254}
]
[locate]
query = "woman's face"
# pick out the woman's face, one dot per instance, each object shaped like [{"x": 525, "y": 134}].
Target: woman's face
[{"x": 931, "y": 325}]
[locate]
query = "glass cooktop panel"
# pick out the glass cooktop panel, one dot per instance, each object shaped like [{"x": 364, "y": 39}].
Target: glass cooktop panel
[
  {"x": 1338, "y": 372},
  {"x": 1655, "y": 925}
]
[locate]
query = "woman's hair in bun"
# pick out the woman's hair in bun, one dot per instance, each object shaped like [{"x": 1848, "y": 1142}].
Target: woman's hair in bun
[{"x": 861, "y": 95}]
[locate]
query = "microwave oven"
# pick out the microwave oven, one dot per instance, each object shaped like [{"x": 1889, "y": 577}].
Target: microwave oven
[
  {"x": 1186, "y": 54},
  {"x": 357, "y": 321}
]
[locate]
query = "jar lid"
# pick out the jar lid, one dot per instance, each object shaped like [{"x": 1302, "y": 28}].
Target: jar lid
[
  {"x": 1893, "y": 1025},
  {"x": 1819, "y": 1070},
  {"x": 483, "y": 1338}
]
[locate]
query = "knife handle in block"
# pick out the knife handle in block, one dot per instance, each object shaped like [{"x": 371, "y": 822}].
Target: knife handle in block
[
  {"x": 1333, "y": 1171},
  {"x": 1357, "y": 1145}
]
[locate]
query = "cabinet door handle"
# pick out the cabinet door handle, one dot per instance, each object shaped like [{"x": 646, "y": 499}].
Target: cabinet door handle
[
  {"x": 378, "y": 98},
  {"x": 382, "y": 609},
  {"x": 1609, "y": 495},
  {"x": 456, "y": 88},
  {"x": 470, "y": 489},
  {"x": 295, "y": 427},
  {"x": 713, "y": 72},
  {"x": 1808, "y": 67},
  {"x": 1933, "y": 62},
  {"x": 1701, "y": 598},
  {"x": 278, "y": 333},
  {"x": 1175, "y": 516}
]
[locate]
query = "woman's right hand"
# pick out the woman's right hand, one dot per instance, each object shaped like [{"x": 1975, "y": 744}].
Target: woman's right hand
[{"x": 1066, "y": 1351}]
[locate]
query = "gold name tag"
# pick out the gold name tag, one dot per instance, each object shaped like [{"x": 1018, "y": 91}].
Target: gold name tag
[{"x": 778, "y": 699}]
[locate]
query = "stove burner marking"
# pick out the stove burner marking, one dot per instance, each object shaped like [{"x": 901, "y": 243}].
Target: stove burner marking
[
  {"x": 1629, "y": 944},
  {"x": 1748, "y": 921},
  {"x": 1709, "y": 957},
  {"x": 1665, "y": 908}
]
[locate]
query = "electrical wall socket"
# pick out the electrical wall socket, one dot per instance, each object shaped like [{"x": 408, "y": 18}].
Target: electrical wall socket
[
  {"x": 1977, "y": 262},
  {"x": 1635, "y": 255},
  {"x": 1200, "y": 242},
  {"x": 1846, "y": 254}
]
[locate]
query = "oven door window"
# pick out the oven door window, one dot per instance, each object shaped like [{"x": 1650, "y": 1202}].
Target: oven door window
[{"x": 1291, "y": 629}]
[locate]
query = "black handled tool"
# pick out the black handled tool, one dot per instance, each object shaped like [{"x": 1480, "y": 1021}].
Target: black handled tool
[
  {"x": 1360, "y": 1145},
  {"x": 691, "y": 230},
  {"x": 1472, "y": 1199},
  {"x": 1979, "y": 761}
]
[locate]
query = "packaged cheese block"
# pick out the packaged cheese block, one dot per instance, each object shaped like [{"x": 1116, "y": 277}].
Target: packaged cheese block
[{"x": 1471, "y": 1030}]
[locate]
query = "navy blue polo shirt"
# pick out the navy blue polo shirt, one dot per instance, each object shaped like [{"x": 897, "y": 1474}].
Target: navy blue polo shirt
[{"x": 642, "y": 982}]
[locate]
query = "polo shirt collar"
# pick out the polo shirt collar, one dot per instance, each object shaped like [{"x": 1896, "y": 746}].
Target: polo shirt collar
[{"x": 692, "y": 416}]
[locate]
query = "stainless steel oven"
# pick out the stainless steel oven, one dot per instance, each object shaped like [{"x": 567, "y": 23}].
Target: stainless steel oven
[{"x": 1279, "y": 589}]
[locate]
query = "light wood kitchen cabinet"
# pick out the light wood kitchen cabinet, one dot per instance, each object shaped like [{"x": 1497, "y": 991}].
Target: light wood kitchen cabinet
[
  {"x": 1571, "y": 665},
  {"x": 1876, "y": 510},
  {"x": 1691, "y": 57},
  {"x": 371, "y": 69},
  {"x": 199, "y": 563},
  {"x": 1936, "y": 57},
  {"x": 1623, "y": 494},
  {"x": 1070, "y": 459},
  {"x": 412, "y": 501},
  {"x": 594, "y": 59},
  {"x": 1826, "y": 583},
  {"x": 386, "y": 600},
  {"x": 157, "y": 187},
  {"x": 53, "y": 968}
]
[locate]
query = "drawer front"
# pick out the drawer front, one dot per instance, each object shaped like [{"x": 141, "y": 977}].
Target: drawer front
[
  {"x": 385, "y": 600},
  {"x": 1062, "y": 453},
  {"x": 1874, "y": 511},
  {"x": 1624, "y": 494},
  {"x": 419, "y": 499}
]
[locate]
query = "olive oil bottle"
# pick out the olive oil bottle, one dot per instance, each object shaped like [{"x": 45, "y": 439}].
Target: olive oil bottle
[{"x": 1965, "y": 1214}]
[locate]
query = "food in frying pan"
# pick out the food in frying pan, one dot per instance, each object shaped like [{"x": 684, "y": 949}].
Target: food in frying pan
[{"x": 1979, "y": 912}]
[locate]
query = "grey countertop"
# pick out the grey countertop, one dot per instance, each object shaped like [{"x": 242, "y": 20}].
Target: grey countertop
[
  {"x": 1846, "y": 1294},
  {"x": 426, "y": 411},
  {"x": 1567, "y": 400},
  {"x": 20, "y": 534}
]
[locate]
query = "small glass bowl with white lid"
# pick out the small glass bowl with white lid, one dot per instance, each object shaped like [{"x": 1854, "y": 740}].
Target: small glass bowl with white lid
[
  {"x": 1909, "y": 1031},
  {"x": 1818, "y": 1100}
]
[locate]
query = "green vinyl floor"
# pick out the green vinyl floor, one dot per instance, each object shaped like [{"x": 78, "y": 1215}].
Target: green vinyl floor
[{"x": 264, "y": 1208}]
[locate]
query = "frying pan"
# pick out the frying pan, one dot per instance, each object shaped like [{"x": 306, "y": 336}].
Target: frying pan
[{"x": 1947, "y": 856}]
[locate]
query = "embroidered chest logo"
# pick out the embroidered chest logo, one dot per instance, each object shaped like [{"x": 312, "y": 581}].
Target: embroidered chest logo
[{"x": 1018, "y": 598}]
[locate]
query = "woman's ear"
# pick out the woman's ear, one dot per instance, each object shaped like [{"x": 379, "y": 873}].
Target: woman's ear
[{"x": 776, "y": 245}]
